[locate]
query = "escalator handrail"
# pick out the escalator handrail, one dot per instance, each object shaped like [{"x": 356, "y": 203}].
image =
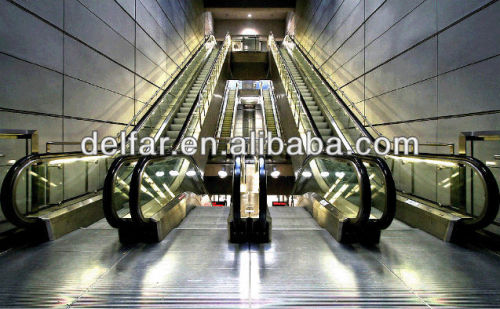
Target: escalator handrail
[
  {"x": 197, "y": 102},
  {"x": 299, "y": 94},
  {"x": 146, "y": 116},
  {"x": 262, "y": 191},
  {"x": 349, "y": 112},
  {"x": 364, "y": 208},
  {"x": 7, "y": 194},
  {"x": 492, "y": 196},
  {"x": 220, "y": 120},
  {"x": 236, "y": 190},
  {"x": 390, "y": 192},
  {"x": 275, "y": 110},
  {"x": 136, "y": 182},
  {"x": 492, "y": 200},
  {"x": 110, "y": 212}
]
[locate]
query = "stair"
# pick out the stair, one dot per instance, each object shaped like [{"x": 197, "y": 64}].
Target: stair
[
  {"x": 227, "y": 122},
  {"x": 181, "y": 115}
]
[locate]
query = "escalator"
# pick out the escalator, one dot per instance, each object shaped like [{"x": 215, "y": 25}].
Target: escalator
[
  {"x": 49, "y": 195},
  {"x": 225, "y": 129},
  {"x": 249, "y": 218},
  {"x": 310, "y": 100},
  {"x": 270, "y": 114},
  {"x": 146, "y": 198},
  {"x": 432, "y": 190},
  {"x": 119, "y": 185},
  {"x": 185, "y": 108}
]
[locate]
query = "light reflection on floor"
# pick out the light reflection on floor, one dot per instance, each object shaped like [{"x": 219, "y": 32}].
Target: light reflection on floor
[{"x": 196, "y": 267}]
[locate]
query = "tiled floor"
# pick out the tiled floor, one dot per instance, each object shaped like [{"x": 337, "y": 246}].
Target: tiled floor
[{"x": 196, "y": 267}]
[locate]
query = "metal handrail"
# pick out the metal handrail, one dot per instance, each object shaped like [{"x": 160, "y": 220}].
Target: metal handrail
[
  {"x": 136, "y": 183},
  {"x": 191, "y": 114},
  {"x": 364, "y": 208}
]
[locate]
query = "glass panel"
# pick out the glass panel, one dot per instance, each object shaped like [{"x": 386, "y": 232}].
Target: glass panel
[
  {"x": 378, "y": 189},
  {"x": 121, "y": 189},
  {"x": 52, "y": 180},
  {"x": 336, "y": 181},
  {"x": 166, "y": 178},
  {"x": 448, "y": 183}
]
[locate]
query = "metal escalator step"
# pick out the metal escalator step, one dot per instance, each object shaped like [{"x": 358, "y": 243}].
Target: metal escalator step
[
  {"x": 324, "y": 132},
  {"x": 318, "y": 118},
  {"x": 179, "y": 120},
  {"x": 172, "y": 134},
  {"x": 176, "y": 126}
]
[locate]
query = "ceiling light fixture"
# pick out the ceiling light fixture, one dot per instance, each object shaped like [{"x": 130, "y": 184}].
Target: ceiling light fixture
[
  {"x": 222, "y": 173},
  {"x": 275, "y": 173},
  {"x": 249, "y": 15}
]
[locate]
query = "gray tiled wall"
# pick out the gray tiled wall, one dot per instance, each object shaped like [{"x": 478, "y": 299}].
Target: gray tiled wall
[
  {"x": 415, "y": 67},
  {"x": 72, "y": 66}
]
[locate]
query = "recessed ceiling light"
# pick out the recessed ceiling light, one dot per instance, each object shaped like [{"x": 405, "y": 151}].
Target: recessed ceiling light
[
  {"x": 275, "y": 173},
  {"x": 222, "y": 173}
]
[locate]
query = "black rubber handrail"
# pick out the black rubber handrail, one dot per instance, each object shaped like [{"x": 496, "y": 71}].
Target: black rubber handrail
[
  {"x": 9, "y": 185},
  {"x": 108, "y": 191},
  {"x": 262, "y": 191},
  {"x": 197, "y": 102},
  {"x": 145, "y": 117},
  {"x": 299, "y": 94},
  {"x": 364, "y": 208},
  {"x": 390, "y": 192},
  {"x": 223, "y": 112},
  {"x": 491, "y": 198},
  {"x": 136, "y": 183},
  {"x": 236, "y": 192}
]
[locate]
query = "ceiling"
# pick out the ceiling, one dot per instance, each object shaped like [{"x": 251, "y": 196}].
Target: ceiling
[
  {"x": 249, "y": 4},
  {"x": 257, "y": 13}
]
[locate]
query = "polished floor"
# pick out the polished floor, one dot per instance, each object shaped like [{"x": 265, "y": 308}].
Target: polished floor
[{"x": 196, "y": 267}]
